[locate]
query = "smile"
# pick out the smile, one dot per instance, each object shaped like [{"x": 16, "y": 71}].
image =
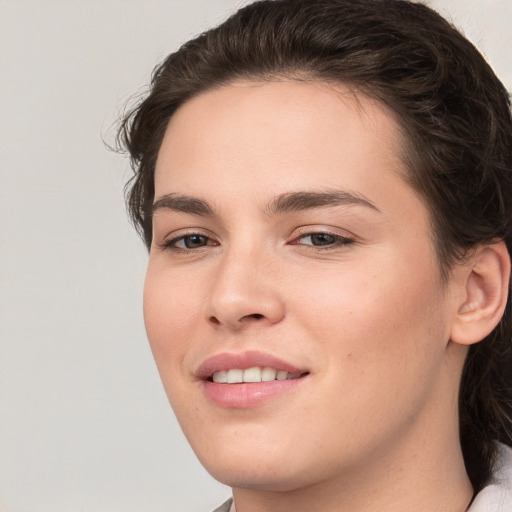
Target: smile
[
  {"x": 255, "y": 374},
  {"x": 248, "y": 379}
]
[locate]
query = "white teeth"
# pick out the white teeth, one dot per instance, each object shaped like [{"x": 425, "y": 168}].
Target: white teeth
[
  {"x": 235, "y": 376},
  {"x": 255, "y": 374},
  {"x": 221, "y": 377},
  {"x": 268, "y": 374},
  {"x": 252, "y": 375}
]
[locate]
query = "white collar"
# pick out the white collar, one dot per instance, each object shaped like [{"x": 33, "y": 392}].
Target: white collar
[{"x": 497, "y": 495}]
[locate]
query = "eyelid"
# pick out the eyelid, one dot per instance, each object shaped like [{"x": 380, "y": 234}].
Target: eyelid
[{"x": 318, "y": 229}]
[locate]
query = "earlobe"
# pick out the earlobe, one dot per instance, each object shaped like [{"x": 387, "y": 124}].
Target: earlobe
[{"x": 486, "y": 285}]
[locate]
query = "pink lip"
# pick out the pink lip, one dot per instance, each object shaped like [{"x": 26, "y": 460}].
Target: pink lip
[{"x": 245, "y": 395}]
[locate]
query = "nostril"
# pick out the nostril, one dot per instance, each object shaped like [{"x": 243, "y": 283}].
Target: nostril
[
  {"x": 256, "y": 316},
  {"x": 214, "y": 320}
]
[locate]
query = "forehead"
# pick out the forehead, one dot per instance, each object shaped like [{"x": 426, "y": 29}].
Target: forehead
[
  {"x": 310, "y": 133},
  {"x": 257, "y": 129}
]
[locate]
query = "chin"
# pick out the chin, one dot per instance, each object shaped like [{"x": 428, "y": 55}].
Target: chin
[
  {"x": 264, "y": 477},
  {"x": 265, "y": 465},
  {"x": 248, "y": 460}
]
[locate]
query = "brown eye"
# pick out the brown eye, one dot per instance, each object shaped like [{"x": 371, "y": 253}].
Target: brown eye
[
  {"x": 323, "y": 240},
  {"x": 193, "y": 241},
  {"x": 319, "y": 239},
  {"x": 189, "y": 242}
]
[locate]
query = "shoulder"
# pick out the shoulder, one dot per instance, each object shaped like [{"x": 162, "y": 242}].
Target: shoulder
[{"x": 497, "y": 495}]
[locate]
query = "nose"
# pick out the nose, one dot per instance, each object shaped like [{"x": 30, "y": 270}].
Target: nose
[{"x": 245, "y": 291}]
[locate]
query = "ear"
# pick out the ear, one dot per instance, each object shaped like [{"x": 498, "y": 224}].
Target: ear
[{"x": 485, "y": 281}]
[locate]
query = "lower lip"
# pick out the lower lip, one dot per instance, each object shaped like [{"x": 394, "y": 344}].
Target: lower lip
[{"x": 250, "y": 394}]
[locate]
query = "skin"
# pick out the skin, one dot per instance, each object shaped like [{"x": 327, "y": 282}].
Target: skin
[{"x": 367, "y": 314}]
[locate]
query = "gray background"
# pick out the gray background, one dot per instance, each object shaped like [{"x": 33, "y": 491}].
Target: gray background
[{"x": 84, "y": 423}]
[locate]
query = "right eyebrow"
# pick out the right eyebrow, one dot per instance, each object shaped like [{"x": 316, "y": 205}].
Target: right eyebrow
[
  {"x": 182, "y": 203},
  {"x": 307, "y": 200}
]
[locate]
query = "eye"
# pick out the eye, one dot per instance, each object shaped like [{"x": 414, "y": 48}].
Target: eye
[
  {"x": 322, "y": 240},
  {"x": 191, "y": 241},
  {"x": 188, "y": 242},
  {"x": 319, "y": 239}
]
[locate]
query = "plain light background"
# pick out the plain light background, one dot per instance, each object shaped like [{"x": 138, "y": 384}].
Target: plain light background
[{"x": 84, "y": 422}]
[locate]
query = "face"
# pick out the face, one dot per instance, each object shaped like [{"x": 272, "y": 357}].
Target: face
[{"x": 286, "y": 244}]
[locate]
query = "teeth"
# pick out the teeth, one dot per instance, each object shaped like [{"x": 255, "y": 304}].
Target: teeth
[
  {"x": 268, "y": 374},
  {"x": 255, "y": 374},
  {"x": 252, "y": 375},
  {"x": 221, "y": 377},
  {"x": 235, "y": 376}
]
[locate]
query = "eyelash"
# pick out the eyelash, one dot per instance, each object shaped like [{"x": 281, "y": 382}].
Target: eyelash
[{"x": 337, "y": 242}]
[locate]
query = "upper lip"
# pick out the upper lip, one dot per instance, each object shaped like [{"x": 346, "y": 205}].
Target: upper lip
[{"x": 242, "y": 361}]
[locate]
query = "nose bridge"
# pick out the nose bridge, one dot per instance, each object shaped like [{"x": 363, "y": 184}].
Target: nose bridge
[{"x": 244, "y": 287}]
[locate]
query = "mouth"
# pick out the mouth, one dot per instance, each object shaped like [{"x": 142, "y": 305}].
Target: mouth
[
  {"x": 248, "y": 379},
  {"x": 252, "y": 375}
]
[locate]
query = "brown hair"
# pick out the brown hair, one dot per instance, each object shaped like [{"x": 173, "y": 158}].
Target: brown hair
[{"x": 455, "y": 114}]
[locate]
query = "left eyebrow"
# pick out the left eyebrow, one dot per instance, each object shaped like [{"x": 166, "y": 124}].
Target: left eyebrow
[
  {"x": 299, "y": 201},
  {"x": 182, "y": 203}
]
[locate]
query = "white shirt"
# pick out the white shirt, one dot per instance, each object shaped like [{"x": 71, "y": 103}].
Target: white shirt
[{"x": 497, "y": 495}]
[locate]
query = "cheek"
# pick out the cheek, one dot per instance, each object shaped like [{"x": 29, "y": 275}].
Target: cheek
[
  {"x": 378, "y": 350},
  {"x": 168, "y": 317},
  {"x": 376, "y": 325}
]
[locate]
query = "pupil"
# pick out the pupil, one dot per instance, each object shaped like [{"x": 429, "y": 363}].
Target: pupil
[
  {"x": 194, "y": 241},
  {"x": 322, "y": 239}
]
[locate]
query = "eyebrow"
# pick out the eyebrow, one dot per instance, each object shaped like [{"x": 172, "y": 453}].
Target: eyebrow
[
  {"x": 299, "y": 201},
  {"x": 181, "y": 203},
  {"x": 283, "y": 203}
]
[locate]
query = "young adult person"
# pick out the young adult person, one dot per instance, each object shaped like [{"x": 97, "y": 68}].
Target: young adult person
[{"x": 325, "y": 190}]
